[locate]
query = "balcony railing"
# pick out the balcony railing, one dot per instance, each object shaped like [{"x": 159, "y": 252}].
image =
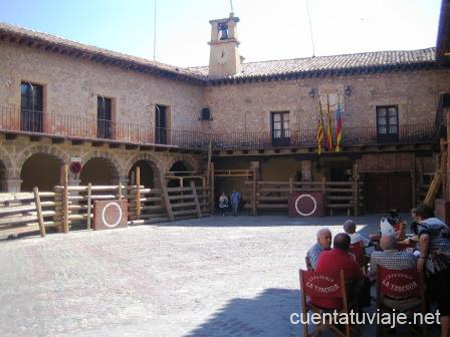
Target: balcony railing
[{"x": 91, "y": 128}]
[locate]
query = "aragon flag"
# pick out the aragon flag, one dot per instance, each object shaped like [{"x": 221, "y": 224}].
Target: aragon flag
[{"x": 320, "y": 129}]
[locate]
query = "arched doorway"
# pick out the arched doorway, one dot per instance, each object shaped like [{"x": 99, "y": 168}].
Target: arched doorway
[
  {"x": 147, "y": 173},
  {"x": 41, "y": 170},
  {"x": 99, "y": 171},
  {"x": 3, "y": 187},
  {"x": 179, "y": 169}
]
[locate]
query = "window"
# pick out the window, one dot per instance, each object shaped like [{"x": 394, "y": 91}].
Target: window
[
  {"x": 160, "y": 124},
  {"x": 104, "y": 117},
  {"x": 387, "y": 124},
  {"x": 280, "y": 129},
  {"x": 31, "y": 107}
]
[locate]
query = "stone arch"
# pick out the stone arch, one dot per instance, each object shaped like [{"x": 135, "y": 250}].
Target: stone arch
[
  {"x": 26, "y": 153},
  {"x": 153, "y": 161},
  {"x": 190, "y": 163},
  {"x": 98, "y": 160},
  {"x": 40, "y": 170}
]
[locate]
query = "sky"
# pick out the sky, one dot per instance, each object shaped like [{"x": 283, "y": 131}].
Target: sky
[{"x": 268, "y": 30}]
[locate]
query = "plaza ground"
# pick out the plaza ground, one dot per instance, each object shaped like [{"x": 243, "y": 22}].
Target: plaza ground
[{"x": 232, "y": 276}]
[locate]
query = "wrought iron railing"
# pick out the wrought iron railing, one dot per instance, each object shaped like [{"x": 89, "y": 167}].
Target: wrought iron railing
[{"x": 91, "y": 128}]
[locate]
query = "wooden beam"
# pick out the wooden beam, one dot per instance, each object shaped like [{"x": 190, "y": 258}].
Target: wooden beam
[
  {"x": 138, "y": 193},
  {"x": 197, "y": 205},
  {"x": 65, "y": 183},
  {"x": 208, "y": 167},
  {"x": 37, "y": 200},
  {"x": 255, "y": 192},
  {"x": 89, "y": 205},
  {"x": 212, "y": 190},
  {"x": 166, "y": 199},
  {"x": 355, "y": 190}
]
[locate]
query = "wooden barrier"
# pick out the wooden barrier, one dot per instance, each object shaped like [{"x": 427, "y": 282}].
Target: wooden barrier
[
  {"x": 274, "y": 195},
  {"x": 26, "y": 212}
]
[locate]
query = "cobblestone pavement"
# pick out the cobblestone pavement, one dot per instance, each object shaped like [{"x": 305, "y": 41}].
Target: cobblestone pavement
[{"x": 232, "y": 276}]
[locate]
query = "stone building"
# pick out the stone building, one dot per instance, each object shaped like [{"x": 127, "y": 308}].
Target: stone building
[{"x": 62, "y": 101}]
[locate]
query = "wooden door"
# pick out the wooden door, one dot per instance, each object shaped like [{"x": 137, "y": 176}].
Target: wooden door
[{"x": 384, "y": 191}]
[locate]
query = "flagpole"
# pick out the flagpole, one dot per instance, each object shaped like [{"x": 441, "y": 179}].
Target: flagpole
[{"x": 338, "y": 125}]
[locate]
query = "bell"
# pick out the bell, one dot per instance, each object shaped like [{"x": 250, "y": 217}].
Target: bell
[{"x": 223, "y": 34}]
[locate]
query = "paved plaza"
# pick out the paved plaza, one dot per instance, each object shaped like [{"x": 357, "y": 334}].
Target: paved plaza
[{"x": 232, "y": 276}]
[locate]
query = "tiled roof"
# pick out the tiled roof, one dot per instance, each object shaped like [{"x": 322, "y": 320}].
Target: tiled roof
[
  {"x": 382, "y": 59},
  {"x": 311, "y": 66},
  {"x": 19, "y": 33}
]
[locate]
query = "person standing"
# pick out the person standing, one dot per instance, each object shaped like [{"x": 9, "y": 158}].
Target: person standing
[
  {"x": 223, "y": 203},
  {"x": 235, "y": 199},
  {"x": 434, "y": 260}
]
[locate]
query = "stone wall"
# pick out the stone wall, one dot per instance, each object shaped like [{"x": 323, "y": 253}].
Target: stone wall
[
  {"x": 247, "y": 107},
  {"x": 71, "y": 87}
]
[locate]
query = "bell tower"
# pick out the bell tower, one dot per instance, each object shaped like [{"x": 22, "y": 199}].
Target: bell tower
[{"x": 224, "y": 57}]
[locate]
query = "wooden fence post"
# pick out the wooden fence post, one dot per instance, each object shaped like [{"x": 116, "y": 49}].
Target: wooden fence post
[
  {"x": 166, "y": 198},
  {"x": 255, "y": 192},
  {"x": 356, "y": 189},
  {"x": 197, "y": 205},
  {"x": 40, "y": 217},
  {"x": 211, "y": 191},
  {"x": 138, "y": 193},
  {"x": 324, "y": 193},
  {"x": 89, "y": 201},
  {"x": 65, "y": 179}
]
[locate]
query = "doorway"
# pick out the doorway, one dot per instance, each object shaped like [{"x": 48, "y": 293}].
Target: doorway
[
  {"x": 160, "y": 124},
  {"x": 384, "y": 191}
]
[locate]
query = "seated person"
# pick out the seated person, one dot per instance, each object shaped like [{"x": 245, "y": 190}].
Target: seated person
[
  {"x": 397, "y": 223},
  {"x": 335, "y": 260},
  {"x": 323, "y": 243},
  {"x": 350, "y": 229},
  {"x": 390, "y": 257}
]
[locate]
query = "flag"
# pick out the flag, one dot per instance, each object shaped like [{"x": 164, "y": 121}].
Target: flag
[
  {"x": 338, "y": 126},
  {"x": 329, "y": 139},
  {"x": 320, "y": 129}
]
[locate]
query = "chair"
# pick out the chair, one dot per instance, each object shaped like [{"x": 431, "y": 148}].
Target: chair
[
  {"x": 357, "y": 249},
  {"x": 324, "y": 285},
  {"x": 402, "y": 291}
]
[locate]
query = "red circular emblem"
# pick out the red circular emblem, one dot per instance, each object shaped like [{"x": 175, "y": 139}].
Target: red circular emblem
[{"x": 75, "y": 167}]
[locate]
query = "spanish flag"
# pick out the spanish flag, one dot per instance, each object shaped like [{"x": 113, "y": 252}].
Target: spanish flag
[
  {"x": 329, "y": 130},
  {"x": 338, "y": 127},
  {"x": 320, "y": 129}
]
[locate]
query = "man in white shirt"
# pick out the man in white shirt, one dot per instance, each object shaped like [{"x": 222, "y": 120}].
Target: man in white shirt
[{"x": 350, "y": 229}]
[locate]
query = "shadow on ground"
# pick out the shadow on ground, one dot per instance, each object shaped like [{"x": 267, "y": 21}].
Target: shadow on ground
[{"x": 266, "y": 315}]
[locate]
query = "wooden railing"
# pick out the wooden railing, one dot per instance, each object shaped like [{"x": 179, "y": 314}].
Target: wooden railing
[
  {"x": 274, "y": 195},
  {"x": 88, "y": 127},
  {"x": 27, "y": 212}
]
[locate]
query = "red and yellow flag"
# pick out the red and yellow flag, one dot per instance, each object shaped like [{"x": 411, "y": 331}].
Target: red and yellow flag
[
  {"x": 329, "y": 140},
  {"x": 320, "y": 129}
]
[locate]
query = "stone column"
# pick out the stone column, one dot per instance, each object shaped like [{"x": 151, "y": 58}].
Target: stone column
[
  {"x": 13, "y": 184},
  {"x": 74, "y": 181}
]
